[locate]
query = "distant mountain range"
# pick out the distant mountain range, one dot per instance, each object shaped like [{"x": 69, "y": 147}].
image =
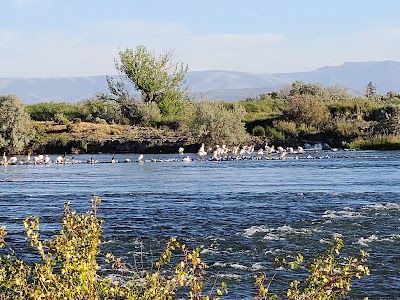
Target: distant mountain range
[{"x": 216, "y": 85}]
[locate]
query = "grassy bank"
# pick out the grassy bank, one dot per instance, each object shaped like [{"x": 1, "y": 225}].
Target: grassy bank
[{"x": 377, "y": 142}]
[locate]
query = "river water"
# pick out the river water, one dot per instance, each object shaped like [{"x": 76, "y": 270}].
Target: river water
[{"x": 242, "y": 214}]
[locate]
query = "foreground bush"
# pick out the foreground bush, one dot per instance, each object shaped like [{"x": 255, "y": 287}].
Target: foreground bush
[{"x": 68, "y": 269}]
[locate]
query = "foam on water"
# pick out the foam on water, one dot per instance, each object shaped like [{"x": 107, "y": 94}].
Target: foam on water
[{"x": 253, "y": 230}]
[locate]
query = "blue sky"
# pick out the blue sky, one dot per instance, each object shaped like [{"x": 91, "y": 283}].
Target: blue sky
[{"x": 54, "y": 38}]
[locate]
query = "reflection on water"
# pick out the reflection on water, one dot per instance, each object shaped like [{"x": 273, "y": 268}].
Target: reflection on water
[{"x": 241, "y": 213}]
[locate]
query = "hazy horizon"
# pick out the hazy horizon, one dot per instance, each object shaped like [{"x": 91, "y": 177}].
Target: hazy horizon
[{"x": 215, "y": 70}]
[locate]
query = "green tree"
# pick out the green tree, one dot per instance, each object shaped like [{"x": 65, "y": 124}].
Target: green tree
[
  {"x": 15, "y": 128},
  {"x": 301, "y": 88},
  {"x": 158, "y": 79}
]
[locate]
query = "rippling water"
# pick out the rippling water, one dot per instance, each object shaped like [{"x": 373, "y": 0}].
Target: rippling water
[{"x": 241, "y": 213}]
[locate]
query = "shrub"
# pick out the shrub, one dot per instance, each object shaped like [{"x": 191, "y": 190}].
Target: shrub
[
  {"x": 263, "y": 108},
  {"x": 307, "y": 129},
  {"x": 98, "y": 120},
  {"x": 307, "y": 109},
  {"x": 99, "y": 107},
  {"x": 274, "y": 133},
  {"x": 15, "y": 128},
  {"x": 258, "y": 131},
  {"x": 212, "y": 123},
  {"x": 377, "y": 142},
  {"x": 329, "y": 275},
  {"x": 61, "y": 119},
  {"x": 388, "y": 119},
  {"x": 46, "y": 111},
  {"x": 67, "y": 268},
  {"x": 287, "y": 127},
  {"x": 349, "y": 127},
  {"x": 150, "y": 114}
]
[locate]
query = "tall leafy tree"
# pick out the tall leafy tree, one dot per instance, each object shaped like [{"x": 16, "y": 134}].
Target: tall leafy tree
[
  {"x": 158, "y": 78},
  {"x": 15, "y": 129}
]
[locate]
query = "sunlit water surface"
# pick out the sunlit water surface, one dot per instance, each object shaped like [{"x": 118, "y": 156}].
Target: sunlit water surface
[{"x": 242, "y": 214}]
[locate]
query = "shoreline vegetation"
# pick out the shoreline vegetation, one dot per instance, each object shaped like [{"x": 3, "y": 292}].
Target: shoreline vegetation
[{"x": 98, "y": 126}]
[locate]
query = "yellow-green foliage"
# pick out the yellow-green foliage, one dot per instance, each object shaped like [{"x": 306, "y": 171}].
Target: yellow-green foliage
[
  {"x": 212, "y": 123},
  {"x": 349, "y": 126},
  {"x": 68, "y": 269},
  {"x": 329, "y": 276},
  {"x": 287, "y": 127},
  {"x": 263, "y": 108},
  {"x": 377, "y": 142},
  {"x": 356, "y": 106},
  {"x": 307, "y": 109}
]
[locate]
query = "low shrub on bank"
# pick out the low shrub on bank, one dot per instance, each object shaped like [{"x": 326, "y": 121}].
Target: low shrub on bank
[
  {"x": 67, "y": 268},
  {"x": 377, "y": 142}
]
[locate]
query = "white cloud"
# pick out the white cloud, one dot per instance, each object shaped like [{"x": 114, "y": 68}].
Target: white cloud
[{"x": 92, "y": 50}]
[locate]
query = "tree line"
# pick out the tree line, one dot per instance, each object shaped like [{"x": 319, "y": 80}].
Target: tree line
[{"x": 300, "y": 111}]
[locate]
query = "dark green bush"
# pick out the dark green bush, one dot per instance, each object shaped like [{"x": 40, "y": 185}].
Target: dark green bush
[{"x": 258, "y": 131}]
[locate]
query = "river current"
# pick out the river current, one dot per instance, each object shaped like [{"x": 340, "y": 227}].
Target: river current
[{"x": 242, "y": 214}]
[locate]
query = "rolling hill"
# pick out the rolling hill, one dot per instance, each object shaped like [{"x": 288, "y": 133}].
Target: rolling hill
[{"x": 216, "y": 84}]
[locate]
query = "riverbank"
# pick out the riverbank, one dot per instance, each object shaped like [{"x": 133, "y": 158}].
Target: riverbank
[{"x": 85, "y": 137}]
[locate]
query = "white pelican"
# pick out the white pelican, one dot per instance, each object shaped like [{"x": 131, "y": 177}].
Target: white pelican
[
  {"x": 283, "y": 155},
  {"x": 186, "y": 159},
  {"x": 4, "y": 161},
  {"x": 243, "y": 150},
  {"x": 224, "y": 150},
  {"x": 140, "y": 158},
  {"x": 59, "y": 159},
  {"x": 13, "y": 160},
  {"x": 127, "y": 160},
  {"x": 47, "y": 159},
  {"x": 215, "y": 154},
  {"x": 180, "y": 150},
  {"x": 235, "y": 150},
  {"x": 202, "y": 151},
  {"x": 250, "y": 149},
  {"x": 260, "y": 151},
  {"x": 38, "y": 159}
]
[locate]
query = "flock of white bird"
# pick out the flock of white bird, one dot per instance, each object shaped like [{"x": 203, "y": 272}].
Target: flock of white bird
[
  {"x": 215, "y": 153},
  {"x": 219, "y": 152}
]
